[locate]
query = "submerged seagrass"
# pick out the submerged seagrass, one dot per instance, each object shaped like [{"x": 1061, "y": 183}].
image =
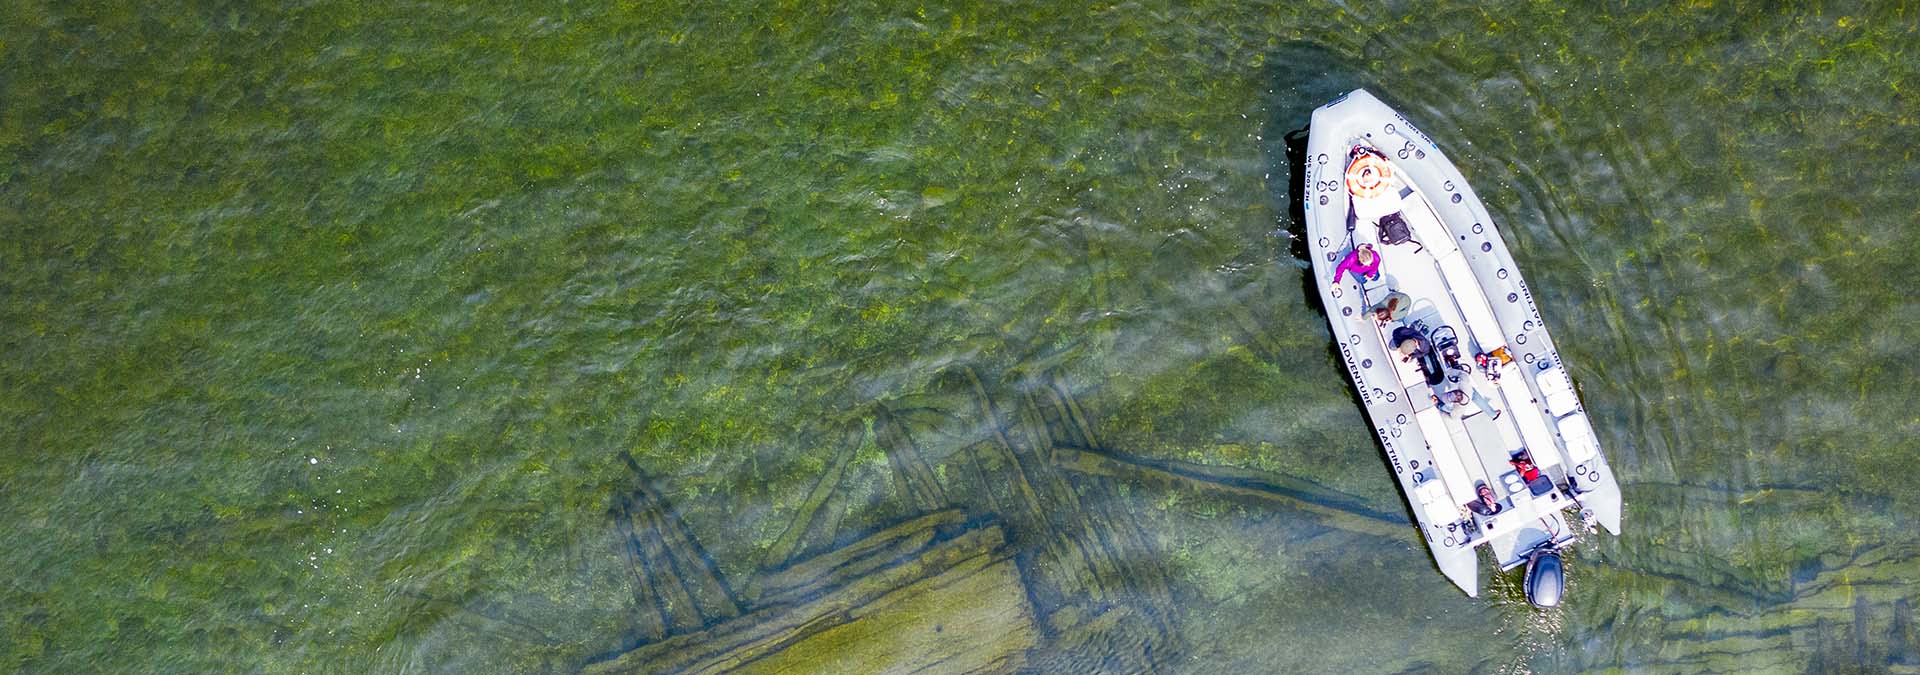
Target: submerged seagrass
[{"x": 328, "y": 329}]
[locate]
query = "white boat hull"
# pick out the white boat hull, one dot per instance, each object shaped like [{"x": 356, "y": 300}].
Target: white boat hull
[{"x": 1460, "y": 275}]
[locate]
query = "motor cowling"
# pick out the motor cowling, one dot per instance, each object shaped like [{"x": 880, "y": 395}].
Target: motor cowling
[{"x": 1546, "y": 579}]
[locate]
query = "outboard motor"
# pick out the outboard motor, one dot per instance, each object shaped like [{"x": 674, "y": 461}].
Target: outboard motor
[{"x": 1546, "y": 580}]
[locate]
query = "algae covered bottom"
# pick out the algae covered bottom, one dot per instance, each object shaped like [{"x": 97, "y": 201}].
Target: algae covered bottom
[{"x": 327, "y": 331}]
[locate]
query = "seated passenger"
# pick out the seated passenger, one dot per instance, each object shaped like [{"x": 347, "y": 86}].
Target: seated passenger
[
  {"x": 1392, "y": 308},
  {"x": 1525, "y": 466},
  {"x": 1458, "y": 403},
  {"x": 1362, "y": 262},
  {"x": 1410, "y": 343},
  {"x": 1536, "y": 483},
  {"x": 1487, "y": 504},
  {"x": 1492, "y": 362}
]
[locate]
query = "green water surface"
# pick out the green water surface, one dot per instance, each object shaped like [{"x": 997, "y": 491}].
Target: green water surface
[{"x": 324, "y": 325}]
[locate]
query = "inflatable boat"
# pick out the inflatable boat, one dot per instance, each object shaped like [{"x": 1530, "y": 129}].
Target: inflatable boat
[{"x": 1480, "y": 421}]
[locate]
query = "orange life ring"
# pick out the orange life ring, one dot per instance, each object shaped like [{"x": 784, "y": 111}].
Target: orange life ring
[{"x": 1368, "y": 175}]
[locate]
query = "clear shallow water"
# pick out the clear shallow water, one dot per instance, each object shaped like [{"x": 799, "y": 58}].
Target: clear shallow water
[{"x": 326, "y": 328}]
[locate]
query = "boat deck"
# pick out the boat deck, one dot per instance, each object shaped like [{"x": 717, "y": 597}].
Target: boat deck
[
  {"x": 1460, "y": 275},
  {"x": 1473, "y": 445}
]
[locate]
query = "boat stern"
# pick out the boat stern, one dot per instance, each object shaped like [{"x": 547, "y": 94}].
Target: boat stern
[
  {"x": 1606, "y": 507},
  {"x": 1462, "y": 567}
]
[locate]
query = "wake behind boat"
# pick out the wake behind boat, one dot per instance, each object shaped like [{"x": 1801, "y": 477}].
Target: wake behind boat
[{"x": 1452, "y": 360}]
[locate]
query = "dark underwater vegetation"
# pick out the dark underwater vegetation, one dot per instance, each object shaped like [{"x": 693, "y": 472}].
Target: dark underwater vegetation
[{"x": 540, "y": 337}]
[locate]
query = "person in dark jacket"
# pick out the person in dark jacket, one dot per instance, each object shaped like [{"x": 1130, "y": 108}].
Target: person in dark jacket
[
  {"x": 1487, "y": 504},
  {"x": 1410, "y": 343}
]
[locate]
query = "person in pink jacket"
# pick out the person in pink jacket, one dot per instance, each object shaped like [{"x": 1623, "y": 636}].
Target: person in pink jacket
[{"x": 1363, "y": 262}]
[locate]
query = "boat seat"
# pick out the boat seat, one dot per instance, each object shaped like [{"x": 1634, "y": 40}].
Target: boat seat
[
  {"x": 1511, "y": 481},
  {"x": 1558, "y": 391},
  {"x": 1446, "y": 456},
  {"x": 1468, "y": 295},
  {"x": 1434, "y": 502},
  {"x": 1534, "y": 429},
  {"x": 1426, "y": 224},
  {"x": 1578, "y": 435}
]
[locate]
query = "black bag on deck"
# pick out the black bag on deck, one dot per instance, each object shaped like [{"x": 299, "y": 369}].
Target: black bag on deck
[{"x": 1394, "y": 229}]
